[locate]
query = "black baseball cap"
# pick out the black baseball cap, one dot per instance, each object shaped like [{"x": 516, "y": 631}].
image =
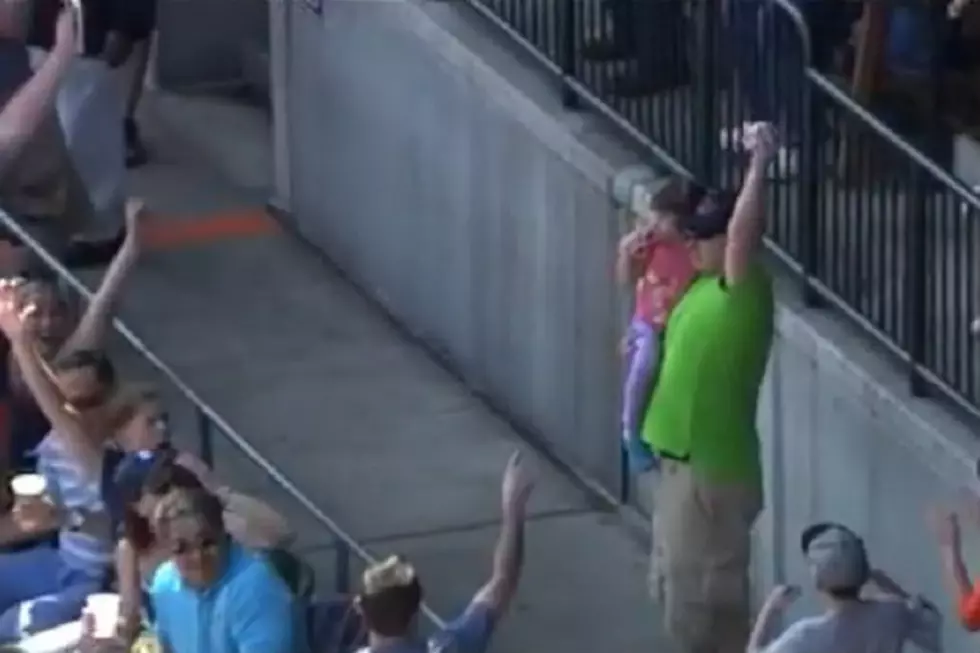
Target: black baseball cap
[{"x": 709, "y": 217}]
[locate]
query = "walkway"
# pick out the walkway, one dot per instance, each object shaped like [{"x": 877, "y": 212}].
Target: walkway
[{"x": 366, "y": 425}]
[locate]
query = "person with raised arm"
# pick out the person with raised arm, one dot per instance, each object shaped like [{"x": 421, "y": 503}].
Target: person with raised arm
[
  {"x": 701, "y": 418},
  {"x": 61, "y": 342},
  {"x": 867, "y": 611},
  {"x": 391, "y": 594},
  {"x": 45, "y": 586}
]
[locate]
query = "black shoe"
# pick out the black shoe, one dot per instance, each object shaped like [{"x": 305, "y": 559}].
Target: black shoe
[
  {"x": 607, "y": 50},
  {"x": 82, "y": 253},
  {"x": 135, "y": 150}
]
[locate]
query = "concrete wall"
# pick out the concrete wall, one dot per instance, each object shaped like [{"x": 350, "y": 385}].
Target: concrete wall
[{"x": 437, "y": 169}]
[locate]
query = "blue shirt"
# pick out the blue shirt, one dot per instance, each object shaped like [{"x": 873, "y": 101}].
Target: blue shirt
[
  {"x": 248, "y": 610},
  {"x": 470, "y": 632},
  {"x": 79, "y": 496}
]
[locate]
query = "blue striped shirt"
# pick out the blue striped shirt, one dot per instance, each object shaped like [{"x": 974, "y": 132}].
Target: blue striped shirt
[{"x": 72, "y": 489}]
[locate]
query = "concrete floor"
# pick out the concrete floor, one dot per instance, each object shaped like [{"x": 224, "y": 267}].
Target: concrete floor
[{"x": 363, "y": 422}]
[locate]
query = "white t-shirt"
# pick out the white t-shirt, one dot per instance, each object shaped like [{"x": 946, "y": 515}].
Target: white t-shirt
[{"x": 881, "y": 626}]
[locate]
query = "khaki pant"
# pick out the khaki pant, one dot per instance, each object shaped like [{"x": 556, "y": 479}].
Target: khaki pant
[{"x": 699, "y": 571}]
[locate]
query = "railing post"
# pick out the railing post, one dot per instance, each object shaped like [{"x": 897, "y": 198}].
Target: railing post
[
  {"x": 342, "y": 564},
  {"x": 568, "y": 52},
  {"x": 205, "y": 437},
  {"x": 809, "y": 231},
  {"x": 625, "y": 479},
  {"x": 704, "y": 70},
  {"x": 916, "y": 246}
]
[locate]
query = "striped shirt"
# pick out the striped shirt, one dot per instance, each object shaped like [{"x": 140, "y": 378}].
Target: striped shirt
[{"x": 77, "y": 495}]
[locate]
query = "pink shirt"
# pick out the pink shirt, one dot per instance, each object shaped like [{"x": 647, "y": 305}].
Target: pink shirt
[{"x": 669, "y": 269}]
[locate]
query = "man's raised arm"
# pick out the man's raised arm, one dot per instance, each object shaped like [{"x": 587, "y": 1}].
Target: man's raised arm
[
  {"x": 748, "y": 223},
  {"x": 32, "y": 103}
]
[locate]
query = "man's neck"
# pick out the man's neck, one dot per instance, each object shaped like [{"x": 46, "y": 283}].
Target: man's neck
[{"x": 380, "y": 643}]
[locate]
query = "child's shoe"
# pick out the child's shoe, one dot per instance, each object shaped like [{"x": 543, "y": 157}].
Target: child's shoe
[{"x": 641, "y": 459}]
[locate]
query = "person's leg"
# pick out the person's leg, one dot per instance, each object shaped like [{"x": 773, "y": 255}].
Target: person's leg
[
  {"x": 641, "y": 361},
  {"x": 24, "y": 575},
  {"x": 60, "y": 606},
  {"x": 139, "y": 61},
  {"x": 705, "y": 536}
]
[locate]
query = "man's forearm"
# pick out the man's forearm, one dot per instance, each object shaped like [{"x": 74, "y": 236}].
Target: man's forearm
[
  {"x": 762, "y": 630},
  {"x": 31, "y": 104}
]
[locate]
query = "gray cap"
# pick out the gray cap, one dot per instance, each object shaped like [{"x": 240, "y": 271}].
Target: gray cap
[{"x": 836, "y": 555}]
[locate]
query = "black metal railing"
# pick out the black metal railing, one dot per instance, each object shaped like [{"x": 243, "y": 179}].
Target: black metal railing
[
  {"x": 872, "y": 224},
  {"x": 212, "y": 429}
]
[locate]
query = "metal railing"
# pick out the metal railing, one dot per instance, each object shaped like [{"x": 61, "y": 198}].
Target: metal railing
[
  {"x": 866, "y": 218},
  {"x": 211, "y": 424}
]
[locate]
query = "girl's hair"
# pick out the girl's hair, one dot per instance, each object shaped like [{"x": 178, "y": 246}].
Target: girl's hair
[
  {"x": 164, "y": 476},
  {"x": 678, "y": 196},
  {"x": 127, "y": 402}
]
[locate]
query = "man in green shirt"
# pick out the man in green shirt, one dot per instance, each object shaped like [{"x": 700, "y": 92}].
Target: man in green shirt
[{"x": 701, "y": 421}]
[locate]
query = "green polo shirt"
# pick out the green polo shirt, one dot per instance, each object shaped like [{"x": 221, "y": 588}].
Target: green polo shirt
[{"x": 716, "y": 346}]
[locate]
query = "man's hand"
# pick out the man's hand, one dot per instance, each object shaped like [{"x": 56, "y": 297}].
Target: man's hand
[
  {"x": 761, "y": 140},
  {"x": 12, "y": 315},
  {"x": 946, "y": 527},
  {"x": 782, "y": 596},
  {"x": 66, "y": 33},
  {"x": 36, "y": 516},
  {"x": 90, "y": 644},
  {"x": 516, "y": 486}
]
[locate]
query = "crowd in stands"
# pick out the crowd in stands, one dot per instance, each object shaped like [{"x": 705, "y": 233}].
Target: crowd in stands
[{"x": 102, "y": 502}]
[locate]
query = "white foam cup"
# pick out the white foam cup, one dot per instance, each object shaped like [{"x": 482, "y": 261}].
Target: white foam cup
[
  {"x": 28, "y": 486},
  {"x": 104, "y": 609}
]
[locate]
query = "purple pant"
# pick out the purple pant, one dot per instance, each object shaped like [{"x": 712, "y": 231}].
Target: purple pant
[{"x": 642, "y": 357}]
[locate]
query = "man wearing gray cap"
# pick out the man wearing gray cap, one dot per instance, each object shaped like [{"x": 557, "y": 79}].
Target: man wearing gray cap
[{"x": 867, "y": 612}]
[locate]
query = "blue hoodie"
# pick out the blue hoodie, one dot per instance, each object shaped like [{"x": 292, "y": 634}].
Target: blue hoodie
[{"x": 248, "y": 610}]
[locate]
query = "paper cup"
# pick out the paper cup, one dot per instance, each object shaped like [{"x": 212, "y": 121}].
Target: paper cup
[
  {"x": 104, "y": 609},
  {"x": 28, "y": 486}
]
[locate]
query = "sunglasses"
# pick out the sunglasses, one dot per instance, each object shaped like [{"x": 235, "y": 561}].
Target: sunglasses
[{"x": 199, "y": 545}]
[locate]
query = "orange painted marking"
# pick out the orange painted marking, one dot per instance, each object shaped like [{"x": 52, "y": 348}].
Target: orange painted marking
[{"x": 160, "y": 234}]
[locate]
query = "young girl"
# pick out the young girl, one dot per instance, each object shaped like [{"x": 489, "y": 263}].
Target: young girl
[{"x": 656, "y": 261}]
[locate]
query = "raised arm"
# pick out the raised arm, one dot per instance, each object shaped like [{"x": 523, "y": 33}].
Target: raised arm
[
  {"x": 33, "y": 102},
  {"x": 94, "y": 325},
  {"x": 765, "y": 623},
  {"x": 508, "y": 557},
  {"x": 748, "y": 223},
  {"x": 42, "y": 387}
]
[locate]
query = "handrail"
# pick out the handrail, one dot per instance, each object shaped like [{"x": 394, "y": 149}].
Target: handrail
[
  {"x": 208, "y": 414},
  {"x": 894, "y": 139},
  {"x": 866, "y": 117}
]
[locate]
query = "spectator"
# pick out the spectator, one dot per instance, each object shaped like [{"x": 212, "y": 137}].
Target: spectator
[
  {"x": 965, "y": 595},
  {"x": 43, "y": 587},
  {"x": 140, "y": 427},
  {"x": 392, "y": 593},
  {"x": 38, "y": 184},
  {"x": 213, "y": 595},
  {"x": 701, "y": 418},
  {"x": 91, "y": 107},
  {"x": 142, "y": 21},
  {"x": 655, "y": 260},
  {"x": 49, "y": 326},
  {"x": 879, "y": 619},
  {"x": 141, "y": 481}
]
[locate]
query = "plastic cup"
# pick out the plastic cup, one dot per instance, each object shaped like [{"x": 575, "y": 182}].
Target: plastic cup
[
  {"x": 28, "y": 486},
  {"x": 104, "y": 609}
]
